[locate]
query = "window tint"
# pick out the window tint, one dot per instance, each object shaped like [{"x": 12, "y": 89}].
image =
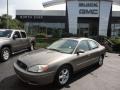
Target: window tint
[
  {"x": 23, "y": 34},
  {"x": 84, "y": 46},
  {"x": 17, "y": 34},
  {"x": 93, "y": 44}
]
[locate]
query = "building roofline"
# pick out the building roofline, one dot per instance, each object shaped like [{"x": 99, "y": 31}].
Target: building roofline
[
  {"x": 52, "y": 13},
  {"x": 41, "y": 12},
  {"x": 57, "y": 2}
]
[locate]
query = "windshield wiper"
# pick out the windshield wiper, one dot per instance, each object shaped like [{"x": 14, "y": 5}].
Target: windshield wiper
[{"x": 54, "y": 50}]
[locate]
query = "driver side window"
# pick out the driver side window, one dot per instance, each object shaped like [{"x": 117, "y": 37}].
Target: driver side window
[
  {"x": 17, "y": 34},
  {"x": 83, "y": 46}
]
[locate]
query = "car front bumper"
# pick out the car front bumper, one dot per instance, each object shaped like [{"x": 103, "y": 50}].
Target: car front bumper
[{"x": 34, "y": 78}]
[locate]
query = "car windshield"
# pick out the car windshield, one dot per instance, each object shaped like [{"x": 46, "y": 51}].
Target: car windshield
[
  {"x": 64, "y": 46},
  {"x": 5, "y": 33}
]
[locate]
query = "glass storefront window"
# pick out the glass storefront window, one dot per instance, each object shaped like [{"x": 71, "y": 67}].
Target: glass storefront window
[
  {"x": 87, "y": 29},
  {"x": 83, "y": 29},
  {"x": 115, "y": 30},
  {"x": 34, "y": 28}
]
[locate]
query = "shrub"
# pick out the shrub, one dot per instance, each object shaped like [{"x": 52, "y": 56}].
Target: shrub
[
  {"x": 46, "y": 40},
  {"x": 68, "y": 35},
  {"x": 116, "y": 42},
  {"x": 41, "y": 35}
]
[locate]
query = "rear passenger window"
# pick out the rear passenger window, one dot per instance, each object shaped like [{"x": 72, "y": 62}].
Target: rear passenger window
[
  {"x": 23, "y": 34},
  {"x": 93, "y": 44}
]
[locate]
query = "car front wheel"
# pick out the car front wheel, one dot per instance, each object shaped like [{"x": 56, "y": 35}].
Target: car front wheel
[
  {"x": 5, "y": 54},
  {"x": 63, "y": 76}
]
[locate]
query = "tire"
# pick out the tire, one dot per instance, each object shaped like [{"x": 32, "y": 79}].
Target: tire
[
  {"x": 31, "y": 48},
  {"x": 5, "y": 54},
  {"x": 100, "y": 61},
  {"x": 63, "y": 76}
]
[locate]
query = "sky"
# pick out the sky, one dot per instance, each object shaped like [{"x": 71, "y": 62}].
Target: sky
[{"x": 32, "y": 5}]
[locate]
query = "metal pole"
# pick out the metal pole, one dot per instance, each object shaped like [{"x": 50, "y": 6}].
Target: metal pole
[{"x": 7, "y": 16}]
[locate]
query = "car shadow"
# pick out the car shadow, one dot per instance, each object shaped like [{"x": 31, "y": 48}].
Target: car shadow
[
  {"x": 13, "y": 83},
  {"x": 82, "y": 73}
]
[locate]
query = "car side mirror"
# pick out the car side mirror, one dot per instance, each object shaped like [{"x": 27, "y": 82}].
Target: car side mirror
[
  {"x": 15, "y": 36},
  {"x": 80, "y": 51}
]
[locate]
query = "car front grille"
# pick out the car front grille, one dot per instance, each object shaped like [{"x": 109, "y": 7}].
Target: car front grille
[{"x": 21, "y": 65}]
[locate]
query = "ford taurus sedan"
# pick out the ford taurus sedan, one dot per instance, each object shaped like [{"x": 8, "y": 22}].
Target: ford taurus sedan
[{"x": 59, "y": 61}]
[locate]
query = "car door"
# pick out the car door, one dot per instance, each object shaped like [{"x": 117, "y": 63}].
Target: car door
[
  {"x": 16, "y": 42},
  {"x": 24, "y": 40},
  {"x": 95, "y": 51},
  {"x": 82, "y": 59}
]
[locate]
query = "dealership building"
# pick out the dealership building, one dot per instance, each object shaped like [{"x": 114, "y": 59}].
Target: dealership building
[{"x": 81, "y": 17}]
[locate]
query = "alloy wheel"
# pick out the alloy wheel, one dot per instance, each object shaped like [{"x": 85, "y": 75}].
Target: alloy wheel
[
  {"x": 100, "y": 61},
  {"x": 32, "y": 47},
  {"x": 5, "y": 54},
  {"x": 64, "y": 76}
]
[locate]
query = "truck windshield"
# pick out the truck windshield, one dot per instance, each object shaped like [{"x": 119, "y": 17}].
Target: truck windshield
[{"x": 5, "y": 33}]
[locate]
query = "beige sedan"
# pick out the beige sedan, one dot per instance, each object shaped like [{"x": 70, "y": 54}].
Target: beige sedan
[{"x": 59, "y": 61}]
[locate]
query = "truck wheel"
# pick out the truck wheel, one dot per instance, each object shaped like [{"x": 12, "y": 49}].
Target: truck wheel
[
  {"x": 100, "y": 61},
  {"x": 31, "y": 48},
  {"x": 5, "y": 54}
]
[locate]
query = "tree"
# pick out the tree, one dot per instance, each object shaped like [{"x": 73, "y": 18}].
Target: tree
[{"x": 13, "y": 23}]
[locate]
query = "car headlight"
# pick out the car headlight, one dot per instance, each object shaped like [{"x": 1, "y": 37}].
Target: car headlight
[{"x": 38, "y": 68}]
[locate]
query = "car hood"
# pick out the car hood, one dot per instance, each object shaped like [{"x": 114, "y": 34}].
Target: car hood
[
  {"x": 2, "y": 39},
  {"x": 42, "y": 57}
]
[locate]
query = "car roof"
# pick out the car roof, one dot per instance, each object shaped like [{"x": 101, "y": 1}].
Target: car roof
[
  {"x": 11, "y": 29},
  {"x": 78, "y": 38}
]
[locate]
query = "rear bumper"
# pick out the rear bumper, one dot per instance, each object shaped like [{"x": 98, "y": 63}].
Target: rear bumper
[{"x": 34, "y": 78}]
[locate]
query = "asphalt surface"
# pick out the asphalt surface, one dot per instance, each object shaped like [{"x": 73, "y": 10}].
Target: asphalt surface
[{"x": 106, "y": 77}]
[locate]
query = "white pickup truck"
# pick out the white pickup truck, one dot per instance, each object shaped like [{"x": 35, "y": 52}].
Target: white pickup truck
[{"x": 14, "y": 41}]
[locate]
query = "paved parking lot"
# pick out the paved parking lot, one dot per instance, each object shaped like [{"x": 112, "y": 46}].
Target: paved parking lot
[{"x": 106, "y": 77}]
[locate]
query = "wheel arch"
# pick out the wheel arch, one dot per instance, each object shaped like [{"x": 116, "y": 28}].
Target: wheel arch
[
  {"x": 57, "y": 72},
  {"x": 66, "y": 64},
  {"x": 7, "y": 45},
  {"x": 103, "y": 55},
  {"x": 32, "y": 42}
]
